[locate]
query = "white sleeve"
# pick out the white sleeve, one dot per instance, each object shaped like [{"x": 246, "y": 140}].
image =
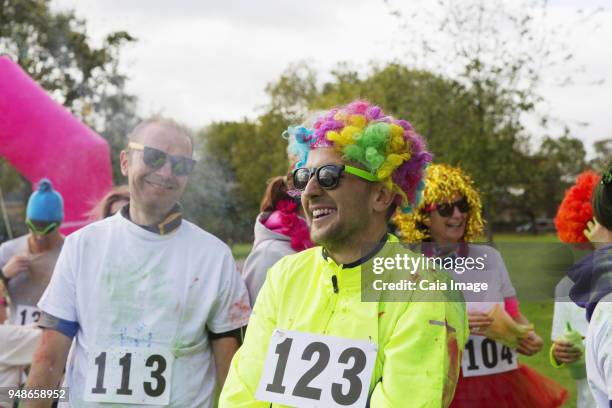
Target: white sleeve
[
  {"x": 18, "y": 344},
  {"x": 560, "y": 317},
  {"x": 561, "y": 313},
  {"x": 604, "y": 346},
  {"x": 3, "y": 256},
  {"x": 231, "y": 309},
  {"x": 507, "y": 289},
  {"x": 59, "y": 299}
]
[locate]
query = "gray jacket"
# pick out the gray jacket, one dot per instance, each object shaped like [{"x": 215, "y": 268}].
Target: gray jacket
[{"x": 269, "y": 247}]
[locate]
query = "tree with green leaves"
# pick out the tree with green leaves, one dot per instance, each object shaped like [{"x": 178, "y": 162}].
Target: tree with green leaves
[
  {"x": 500, "y": 53},
  {"x": 441, "y": 109},
  {"x": 248, "y": 153},
  {"x": 603, "y": 155},
  {"x": 545, "y": 176}
]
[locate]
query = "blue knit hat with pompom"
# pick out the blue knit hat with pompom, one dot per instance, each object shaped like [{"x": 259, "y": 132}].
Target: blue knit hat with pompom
[{"x": 45, "y": 204}]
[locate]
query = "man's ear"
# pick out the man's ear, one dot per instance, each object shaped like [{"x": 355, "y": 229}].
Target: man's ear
[
  {"x": 123, "y": 160},
  {"x": 382, "y": 199},
  {"x": 427, "y": 221}
]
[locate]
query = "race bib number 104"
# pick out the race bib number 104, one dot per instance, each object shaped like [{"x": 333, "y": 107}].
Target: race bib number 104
[
  {"x": 313, "y": 370},
  {"x": 129, "y": 375},
  {"x": 483, "y": 356}
]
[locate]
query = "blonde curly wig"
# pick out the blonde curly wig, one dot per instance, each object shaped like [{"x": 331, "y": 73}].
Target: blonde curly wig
[{"x": 442, "y": 183}]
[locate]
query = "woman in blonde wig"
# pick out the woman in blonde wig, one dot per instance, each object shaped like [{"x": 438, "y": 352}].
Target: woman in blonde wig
[{"x": 445, "y": 224}]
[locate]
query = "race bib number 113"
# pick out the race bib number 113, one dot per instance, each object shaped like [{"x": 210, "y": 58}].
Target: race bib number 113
[
  {"x": 129, "y": 375},
  {"x": 313, "y": 370}
]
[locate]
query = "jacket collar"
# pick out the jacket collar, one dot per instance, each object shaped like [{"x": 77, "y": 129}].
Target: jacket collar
[{"x": 364, "y": 258}]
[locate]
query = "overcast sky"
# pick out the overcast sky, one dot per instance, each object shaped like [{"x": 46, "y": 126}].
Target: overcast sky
[{"x": 201, "y": 61}]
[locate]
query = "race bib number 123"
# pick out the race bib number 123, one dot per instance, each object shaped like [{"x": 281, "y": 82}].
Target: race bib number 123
[
  {"x": 129, "y": 375},
  {"x": 313, "y": 370}
]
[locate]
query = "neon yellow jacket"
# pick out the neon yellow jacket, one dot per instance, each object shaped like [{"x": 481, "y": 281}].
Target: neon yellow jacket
[{"x": 419, "y": 343}]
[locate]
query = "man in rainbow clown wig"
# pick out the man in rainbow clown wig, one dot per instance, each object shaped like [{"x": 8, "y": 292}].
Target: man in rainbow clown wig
[{"x": 313, "y": 340}]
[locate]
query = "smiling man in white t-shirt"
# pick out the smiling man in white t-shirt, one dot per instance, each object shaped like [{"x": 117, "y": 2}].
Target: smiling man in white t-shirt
[{"x": 155, "y": 304}]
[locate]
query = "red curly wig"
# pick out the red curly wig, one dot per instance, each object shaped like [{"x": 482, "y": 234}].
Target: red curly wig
[{"x": 575, "y": 209}]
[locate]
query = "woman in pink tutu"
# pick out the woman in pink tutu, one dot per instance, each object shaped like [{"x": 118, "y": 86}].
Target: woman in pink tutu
[{"x": 444, "y": 225}]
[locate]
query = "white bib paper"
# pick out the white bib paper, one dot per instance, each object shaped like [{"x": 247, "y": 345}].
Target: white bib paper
[
  {"x": 313, "y": 370},
  {"x": 27, "y": 314},
  {"x": 129, "y": 375},
  {"x": 483, "y": 356}
]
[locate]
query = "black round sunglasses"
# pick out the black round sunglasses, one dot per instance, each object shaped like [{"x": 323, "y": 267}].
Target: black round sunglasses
[
  {"x": 447, "y": 209},
  {"x": 155, "y": 159},
  {"x": 328, "y": 176}
]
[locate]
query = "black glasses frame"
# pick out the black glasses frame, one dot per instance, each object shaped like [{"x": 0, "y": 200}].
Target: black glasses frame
[
  {"x": 155, "y": 159},
  {"x": 299, "y": 183}
]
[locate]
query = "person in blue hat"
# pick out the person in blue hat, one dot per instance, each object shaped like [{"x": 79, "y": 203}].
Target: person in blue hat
[
  {"x": 27, "y": 262},
  {"x": 26, "y": 266}
]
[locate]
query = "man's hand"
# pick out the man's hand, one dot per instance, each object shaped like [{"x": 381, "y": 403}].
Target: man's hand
[
  {"x": 479, "y": 322},
  {"x": 565, "y": 352},
  {"x": 530, "y": 345},
  {"x": 16, "y": 265}
]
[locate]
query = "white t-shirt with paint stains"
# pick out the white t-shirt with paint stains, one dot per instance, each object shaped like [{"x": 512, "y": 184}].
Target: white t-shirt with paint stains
[
  {"x": 128, "y": 287},
  {"x": 599, "y": 352}
]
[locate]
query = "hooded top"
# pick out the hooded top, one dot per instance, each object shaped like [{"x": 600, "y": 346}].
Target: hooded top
[
  {"x": 268, "y": 248},
  {"x": 592, "y": 277}
]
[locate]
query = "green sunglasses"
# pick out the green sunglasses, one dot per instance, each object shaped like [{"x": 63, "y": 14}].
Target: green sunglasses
[{"x": 44, "y": 228}]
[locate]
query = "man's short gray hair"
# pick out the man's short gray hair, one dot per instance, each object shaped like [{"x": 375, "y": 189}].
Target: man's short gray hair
[{"x": 167, "y": 123}]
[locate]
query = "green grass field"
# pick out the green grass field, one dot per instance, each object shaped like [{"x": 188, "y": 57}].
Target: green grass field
[
  {"x": 241, "y": 251},
  {"x": 538, "y": 312}
]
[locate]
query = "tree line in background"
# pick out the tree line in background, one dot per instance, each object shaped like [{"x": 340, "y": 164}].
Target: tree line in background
[
  {"x": 472, "y": 117},
  {"x": 516, "y": 177}
]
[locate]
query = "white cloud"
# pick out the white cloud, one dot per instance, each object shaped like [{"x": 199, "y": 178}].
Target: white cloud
[{"x": 200, "y": 60}]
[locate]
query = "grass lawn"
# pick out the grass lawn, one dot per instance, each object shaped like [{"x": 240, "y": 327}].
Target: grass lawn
[
  {"x": 240, "y": 251},
  {"x": 538, "y": 312}
]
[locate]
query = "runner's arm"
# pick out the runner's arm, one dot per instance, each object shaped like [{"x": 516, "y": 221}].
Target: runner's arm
[
  {"x": 223, "y": 349},
  {"x": 247, "y": 364},
  {"x": 48, "y": 364}
]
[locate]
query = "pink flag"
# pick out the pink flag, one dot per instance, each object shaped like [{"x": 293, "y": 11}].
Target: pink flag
[{"x": 40, "y": 138}]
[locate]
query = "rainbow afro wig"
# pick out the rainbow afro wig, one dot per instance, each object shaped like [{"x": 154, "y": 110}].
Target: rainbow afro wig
[
  {"x": 442, "y": 184},
  {"x": 575, "y": 209},
  {"x": 362, "y": 133}
]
